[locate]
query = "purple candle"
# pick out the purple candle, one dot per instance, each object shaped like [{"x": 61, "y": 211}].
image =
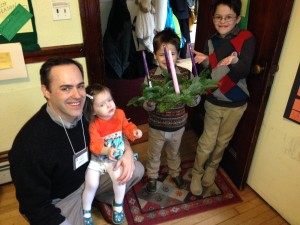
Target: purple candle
[
  {"x": 195, "y": 72},
  {"x": 146, "y": 69},
  {"x": 167, "y": 59}
]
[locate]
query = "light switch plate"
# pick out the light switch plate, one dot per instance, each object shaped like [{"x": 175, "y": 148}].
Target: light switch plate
[{"x": 61, "y": 10}]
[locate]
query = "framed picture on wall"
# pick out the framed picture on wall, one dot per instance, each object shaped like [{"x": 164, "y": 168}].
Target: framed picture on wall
[{"x": 292, "y": 111}]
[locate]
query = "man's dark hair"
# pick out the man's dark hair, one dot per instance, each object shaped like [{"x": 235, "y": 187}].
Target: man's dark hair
[{"x": 57, "y": 61}]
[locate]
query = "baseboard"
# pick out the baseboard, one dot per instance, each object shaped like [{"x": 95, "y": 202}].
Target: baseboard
[{"x": 5, "y": 176}]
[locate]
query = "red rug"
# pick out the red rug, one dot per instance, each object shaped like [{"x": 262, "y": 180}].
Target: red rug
[{"x": 170, "y": 203}]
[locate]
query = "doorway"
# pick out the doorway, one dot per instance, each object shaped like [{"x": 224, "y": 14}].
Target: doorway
[{"x": 262, "y": 17}]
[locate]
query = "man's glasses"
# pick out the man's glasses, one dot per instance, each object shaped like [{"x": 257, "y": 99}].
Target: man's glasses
[{"x": 226, "y": 18}]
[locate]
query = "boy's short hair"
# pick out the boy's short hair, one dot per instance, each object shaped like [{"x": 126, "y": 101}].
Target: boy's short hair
[
  {"x": 166, "y": 36},
  {"x": 235, "y": 5}
]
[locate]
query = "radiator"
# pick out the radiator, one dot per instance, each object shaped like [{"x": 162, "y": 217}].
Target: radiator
[{"x": 5, "y": 173}]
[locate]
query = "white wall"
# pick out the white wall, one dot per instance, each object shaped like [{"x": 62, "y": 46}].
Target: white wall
[
  {"x": 54, "y": 33},
  {"x": 275, "y": 169}
]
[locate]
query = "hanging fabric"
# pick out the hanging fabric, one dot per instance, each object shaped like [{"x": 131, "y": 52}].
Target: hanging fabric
[
  {"x": 117, "y": 37},
  {"x": 160, "y": 16},
  {"x": 144, "y": 26},
  {"x": 172, "y": 22}
]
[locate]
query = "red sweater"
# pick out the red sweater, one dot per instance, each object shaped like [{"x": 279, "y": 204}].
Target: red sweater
[{"x": 100, "y": 128}]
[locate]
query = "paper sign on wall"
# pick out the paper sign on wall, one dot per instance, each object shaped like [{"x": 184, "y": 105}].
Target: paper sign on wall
[
  {"x": 5, "y": 60},
  {"x": 12, "y": 64},
  {"x": 292, "y": 111},
  {"x": 14, "y": 22},
  {"x": 7, "y": 6},
  {"x": 17, "y": 24},
  {"x": 244, "y": 14}
]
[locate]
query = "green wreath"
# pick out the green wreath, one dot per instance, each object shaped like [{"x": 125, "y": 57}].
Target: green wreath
[{"x": 163, "y": 93}]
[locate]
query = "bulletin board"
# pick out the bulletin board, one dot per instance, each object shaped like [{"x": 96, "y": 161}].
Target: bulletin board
[
  {"x": 18, "y": 11},
  {"x": 292, "y": 111}
]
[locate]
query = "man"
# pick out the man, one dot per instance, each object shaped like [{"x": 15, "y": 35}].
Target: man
[{"x": 49, "y": 155}]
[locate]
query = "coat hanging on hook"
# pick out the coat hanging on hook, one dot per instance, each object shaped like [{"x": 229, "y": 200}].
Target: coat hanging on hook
[{"x": 117, "y": 37}]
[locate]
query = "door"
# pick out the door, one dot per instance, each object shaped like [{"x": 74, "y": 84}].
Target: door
[{"x": 268, "y": 21}]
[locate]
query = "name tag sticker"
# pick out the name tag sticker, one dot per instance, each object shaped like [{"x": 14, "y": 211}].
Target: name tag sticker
[{"x": 80, "y": 158}]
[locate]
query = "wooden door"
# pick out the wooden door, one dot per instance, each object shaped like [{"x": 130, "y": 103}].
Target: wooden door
[{"x": 268, "y": 21}]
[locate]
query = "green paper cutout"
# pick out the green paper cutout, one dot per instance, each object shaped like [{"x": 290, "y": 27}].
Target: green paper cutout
[
  {"x": 243, "y": 24},
  {"x": 14, "y": 22}
]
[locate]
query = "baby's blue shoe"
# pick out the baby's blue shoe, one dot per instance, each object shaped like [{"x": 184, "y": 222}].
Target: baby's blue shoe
[
  {"x": 88, "y": 220},
  {"x": 118, "y": 217}
]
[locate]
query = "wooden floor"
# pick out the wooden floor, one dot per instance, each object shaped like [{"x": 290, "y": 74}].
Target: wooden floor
[{"x": 253, "y": 210}]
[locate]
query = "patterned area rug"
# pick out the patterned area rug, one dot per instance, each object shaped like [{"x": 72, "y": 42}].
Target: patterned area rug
[{"x": 170, "y": 203}]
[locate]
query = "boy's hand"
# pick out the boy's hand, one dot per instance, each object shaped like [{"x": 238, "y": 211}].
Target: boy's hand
[
  {"x": 196, "y": 101},
  {"x": 137, "y": 133},
  {"x": 232, "y": 59},
  {"x": 151, "y": 104},
  {"x": 199, "y": 57}
]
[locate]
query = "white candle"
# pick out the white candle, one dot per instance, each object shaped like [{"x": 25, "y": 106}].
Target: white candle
[{"x": 173, "y": 72}]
